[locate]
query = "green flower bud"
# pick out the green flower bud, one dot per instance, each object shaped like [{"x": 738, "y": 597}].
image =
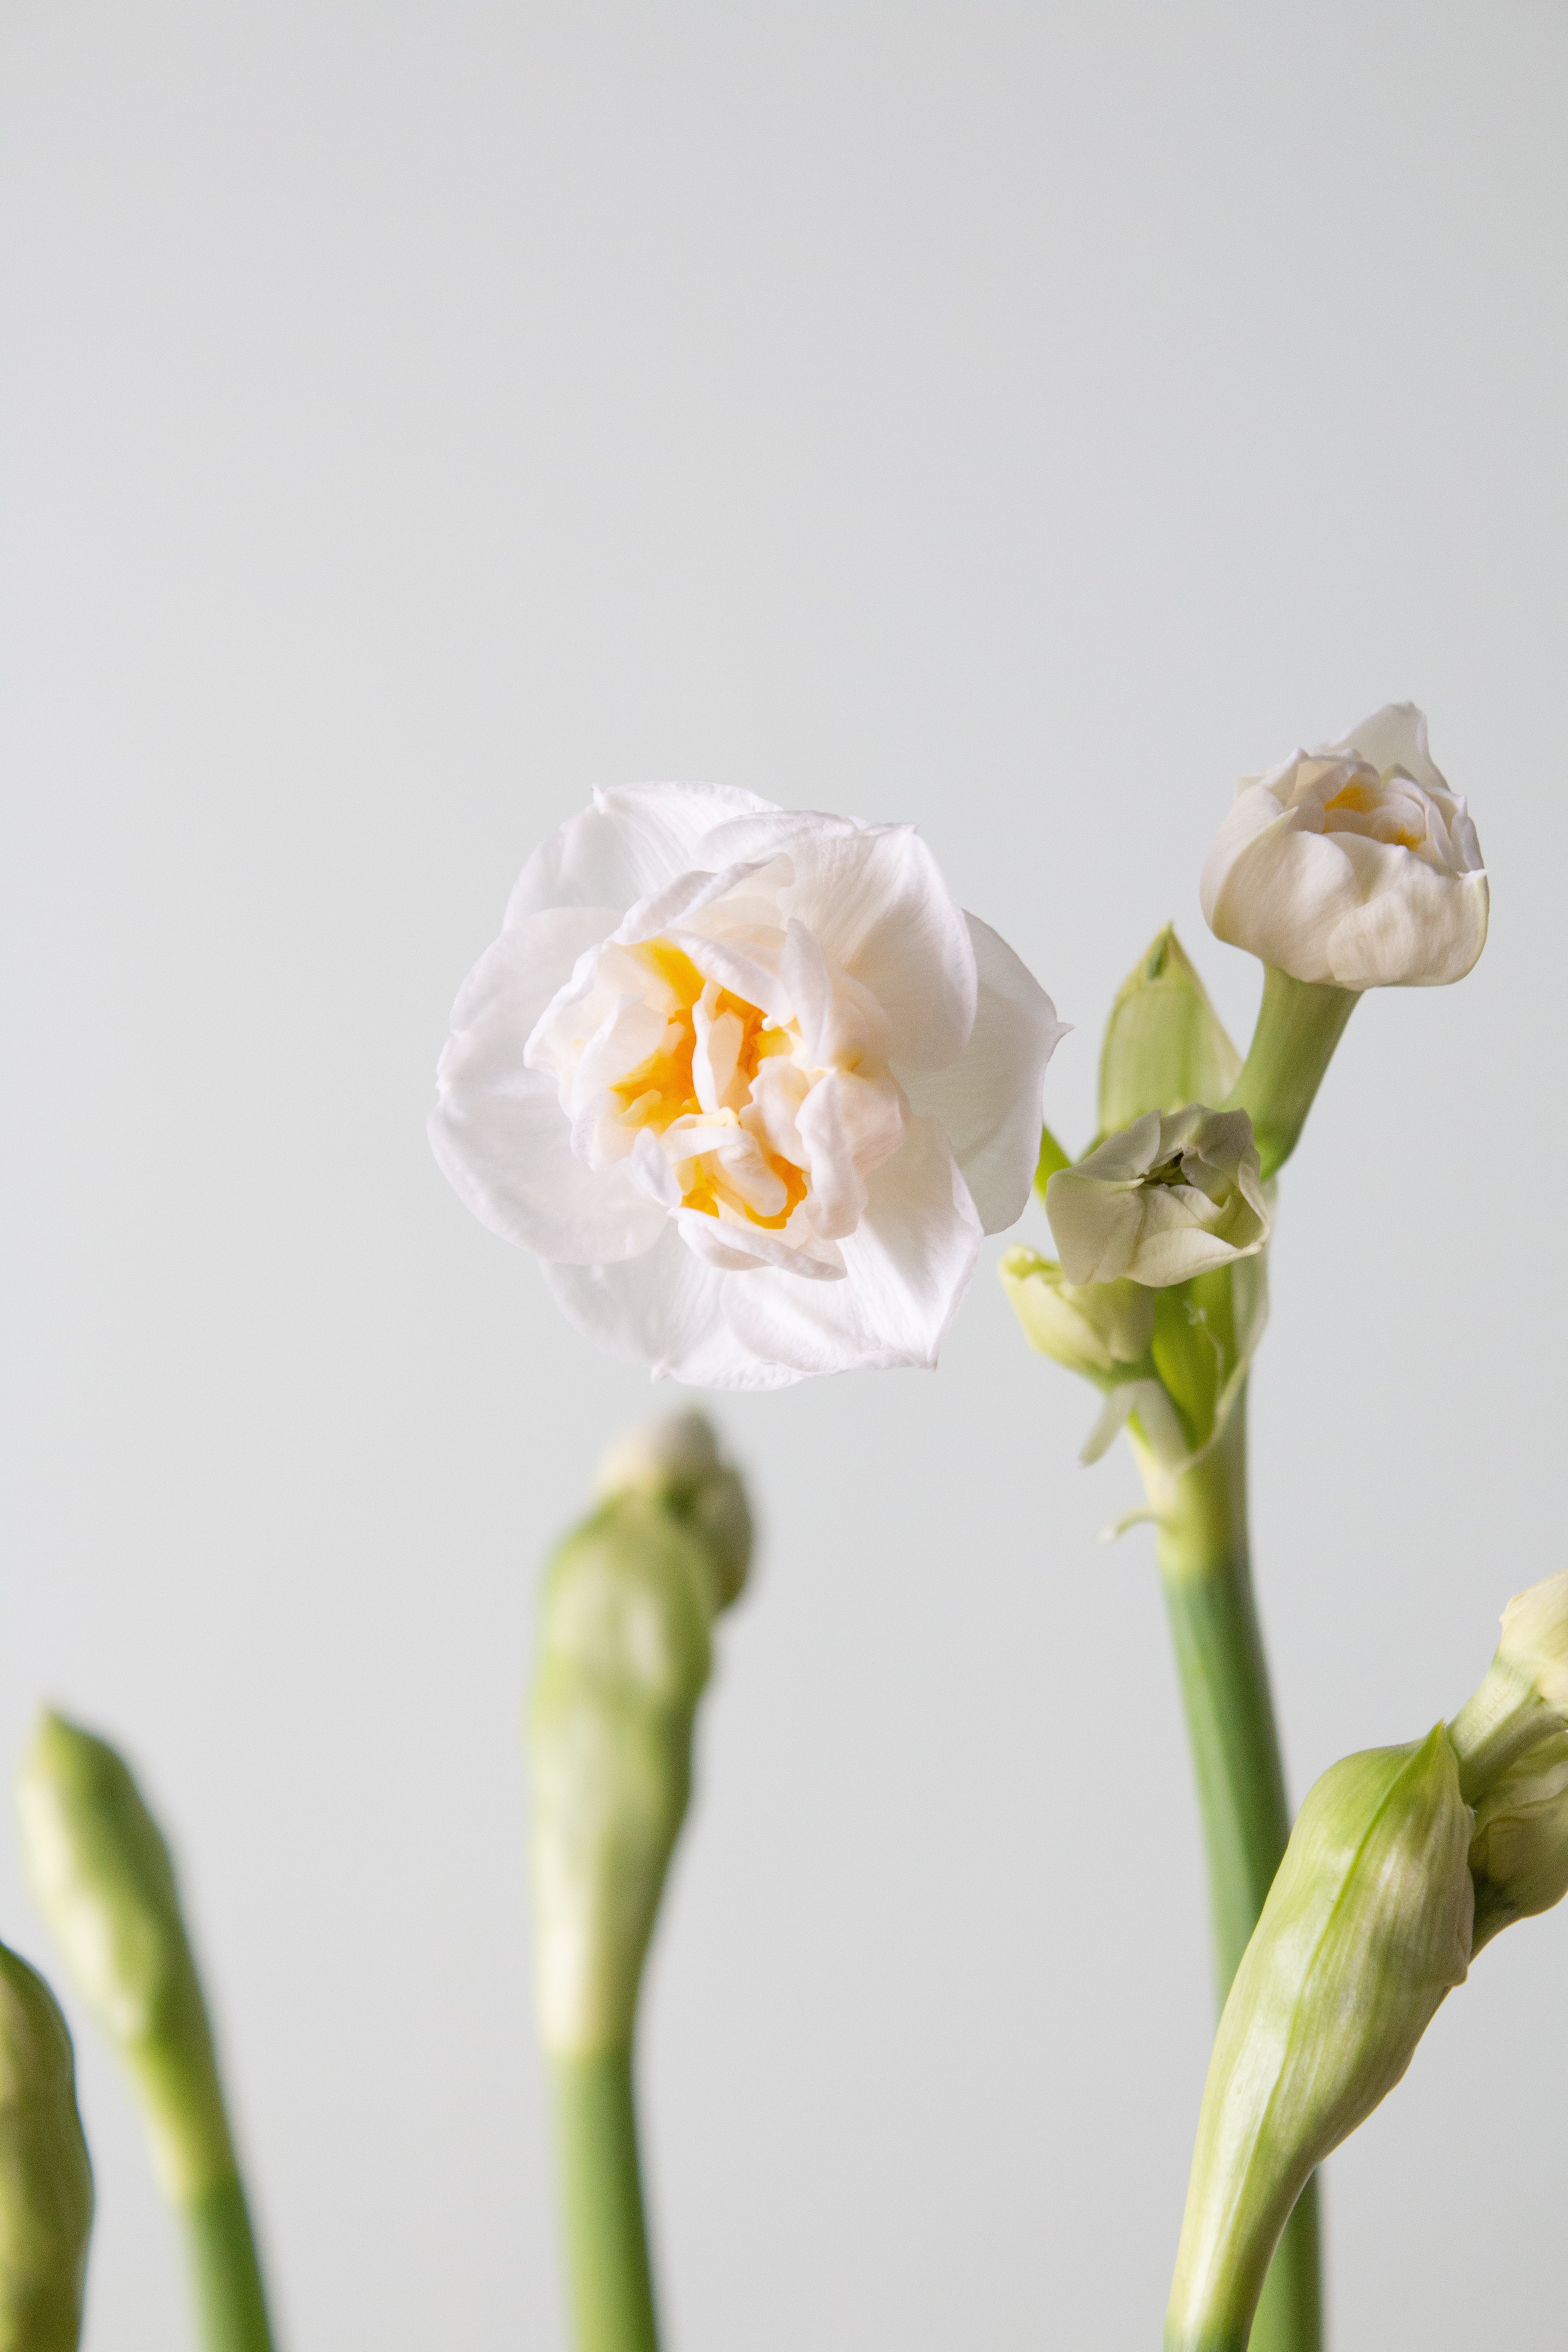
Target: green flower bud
[
  {"x": 1519, "y": 1854},
  {"x": 678, "y": 1460},
  {"x": 624, "y": 1652},
  {"x": 1524, "y": 1698},
  {"x": 45, "y": 2180},
  {"x": 1365, "y": 1930},
  {"x": 1164, "y": 1042},
  {"x": 101, "y": 1874},
  {"x": 1098, "y": 1329}
]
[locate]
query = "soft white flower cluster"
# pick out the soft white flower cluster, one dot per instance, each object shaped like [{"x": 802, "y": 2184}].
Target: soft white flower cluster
[{"x": 749, "y": 1082}]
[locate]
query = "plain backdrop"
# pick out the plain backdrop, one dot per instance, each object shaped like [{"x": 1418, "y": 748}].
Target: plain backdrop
[{"x": 1020, "y": 419}]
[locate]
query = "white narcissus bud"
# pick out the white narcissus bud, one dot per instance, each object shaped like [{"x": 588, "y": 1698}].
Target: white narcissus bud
[
  {"x": 1167, "y": 1198},
  {"x": 1354, "y": 865},
  {"x": 1535, "y": 1639},
  {"x": 1365, "y": 1931}
]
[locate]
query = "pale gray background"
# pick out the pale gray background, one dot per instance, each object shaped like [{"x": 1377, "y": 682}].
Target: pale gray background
[{"x": 1020, "y": 419}]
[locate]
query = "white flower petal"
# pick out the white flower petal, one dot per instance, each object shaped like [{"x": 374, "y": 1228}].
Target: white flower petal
[
  {"x": 634, "y": 840},
  {"x": 498, "y": 1131},
  {"x": 909, "y": 1264},
  {"x": 874, "y": 900},
  {"x": 1283, "y": 892},
  {"x": 1393, "y": 737},
  {"x": 665, "y": 1309},
  {"x": 989, "y": 1100},
  {"x": 1416, "y": 928}
]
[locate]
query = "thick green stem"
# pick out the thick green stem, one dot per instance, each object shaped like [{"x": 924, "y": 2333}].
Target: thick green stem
[
  {"x": 1206, "y": 1569},
  {"x": 609, "y": 2277},
  {"x": 1299, "y": 1023},
  {"x": 220, "y": 2246}
]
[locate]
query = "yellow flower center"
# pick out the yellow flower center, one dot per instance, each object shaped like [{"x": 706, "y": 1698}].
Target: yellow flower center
[
  {"x": 1358, "y": 799},
  {"x": 664, "y": 1089}
]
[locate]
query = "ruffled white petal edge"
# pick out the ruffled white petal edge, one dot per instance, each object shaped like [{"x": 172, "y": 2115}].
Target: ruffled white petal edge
[
  {"x": 498, "y": 1131},
  {"x": 990, "y": 1099},
  {"x": 907, "y": 1269},
  {"x": 634, "y": 840},
  {"x": 906, "y": 1265},
  {"x": 665, "y": 1309},
  {"x": 873, "y": 897}
]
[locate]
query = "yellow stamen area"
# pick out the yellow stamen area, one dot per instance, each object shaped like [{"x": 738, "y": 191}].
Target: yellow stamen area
[
  {"x": 1358, "y": 800},
  {"x": 662, "y": 1088}
]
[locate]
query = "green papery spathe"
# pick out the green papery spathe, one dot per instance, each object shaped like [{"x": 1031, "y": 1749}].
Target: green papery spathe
[
  {"x": 1164, "y": 1043},
  {"x": 1366, "y": 1928},
  {"x": 624, "y": 1652},
  {"x": 46, "y": 2179}
]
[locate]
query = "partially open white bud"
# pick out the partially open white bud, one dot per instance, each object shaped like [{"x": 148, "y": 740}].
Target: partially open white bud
[
  {"x": 1352, "y": 865},
  {"x": 1535, "y": 1638},
  {"x": 1167, "y": 1198}
]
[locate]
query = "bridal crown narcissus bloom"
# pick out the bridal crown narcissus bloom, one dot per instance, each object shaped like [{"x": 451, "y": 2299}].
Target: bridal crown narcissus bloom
[
  {"x": 748, "y": 1081},
  {"x": 1353, "y": 863}
]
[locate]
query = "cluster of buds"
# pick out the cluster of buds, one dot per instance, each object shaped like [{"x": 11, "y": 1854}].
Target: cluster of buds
[
  {"x": 1404, "y": 1862},
  {"x": 1158, "y": 1296},
  {"x": 1348, "y": 867}
]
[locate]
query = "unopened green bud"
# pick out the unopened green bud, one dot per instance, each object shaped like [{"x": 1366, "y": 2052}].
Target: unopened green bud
[
  {"x": 624, "y": 1652},
  {"x": 1098, "y": 1329},
  {"x": 1365, "y": 1930},
  {"x": 678, "y": 1460},
  {"x": 101, "y": 1874},
  {"x": 1524, "y": 1700},
  {"x": 45, "y": 2180},
  {"x": 1518, "y": 1855},
  {"x": 1164, "y": 1042}
]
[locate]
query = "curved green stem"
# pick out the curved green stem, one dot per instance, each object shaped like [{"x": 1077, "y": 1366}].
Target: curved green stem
[
  {"x": 220, "y": 2246},
  {"x": 1206, "y": 1572},
  {"x": 1299, "y": 1023},
  {"x": 609, "y": 2273}
]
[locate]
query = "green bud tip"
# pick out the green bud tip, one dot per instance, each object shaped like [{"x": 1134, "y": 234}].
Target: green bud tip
[
  {"x": 99, "y": 1869},
  {"x": 46, "y": 2179},
  {"x": 678, "y": 1460},
  {"x": 1164, "y": 1042}
]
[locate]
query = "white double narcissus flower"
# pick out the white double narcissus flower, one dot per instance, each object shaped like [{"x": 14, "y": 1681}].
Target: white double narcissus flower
[
  {"x": 1354, "y": 865},
  {"x": 1167, "y": 1198},
  {"x": 749, "y": 1082}
]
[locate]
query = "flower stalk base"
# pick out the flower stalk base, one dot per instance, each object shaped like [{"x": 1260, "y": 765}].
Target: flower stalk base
[
  {"x": 609, "y": 2275},
  {"x": 1206, "y": 1570}
]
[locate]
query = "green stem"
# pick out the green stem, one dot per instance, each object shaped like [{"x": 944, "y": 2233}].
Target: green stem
[
  {"x": 225, "y": 2275},
  {"x": 1299, "y": 1023},
  {"x": 608, "y": 2264},
  {"x": 1206, "y": 1569}
]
